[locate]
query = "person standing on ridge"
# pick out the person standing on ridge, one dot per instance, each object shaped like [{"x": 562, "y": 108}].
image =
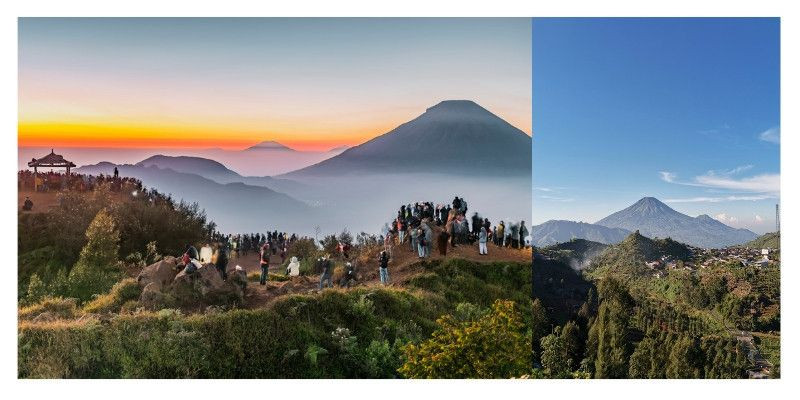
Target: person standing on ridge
[
  {"x": 264, "y": 261},
  {"x": 383, "y": 269},
  {"x": 482, "y": 242}
]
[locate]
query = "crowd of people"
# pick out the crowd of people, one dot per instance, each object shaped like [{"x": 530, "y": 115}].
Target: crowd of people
[
  {"x": 48, "y": 181},
  {"x": 414, "y": 226}
]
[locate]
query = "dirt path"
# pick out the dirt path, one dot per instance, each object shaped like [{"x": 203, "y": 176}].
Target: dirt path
[{"x": 402, "y": 267}]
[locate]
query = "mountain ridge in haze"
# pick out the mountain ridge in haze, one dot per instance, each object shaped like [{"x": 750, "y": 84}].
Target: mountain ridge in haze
[
  {"x": 654, "y": 219},
  {"x": 236, "y": 207},
  {"x": 560, "y": 231},
  {"x": 452, "y": 137}
]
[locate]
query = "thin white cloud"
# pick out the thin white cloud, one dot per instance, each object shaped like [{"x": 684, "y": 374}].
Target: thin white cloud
[
  {"x": 737, "y": 170},
  {"x": 719, "y": 199},
  {"x": 758, "y": 219},
  {"x": 766, "y": 183},
  {"x": 771, "y": 135},
  {"x": 727, "y": 180},
  {"x": 556, "y": 198}
]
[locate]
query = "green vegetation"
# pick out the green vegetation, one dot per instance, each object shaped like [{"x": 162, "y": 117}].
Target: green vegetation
[
  {"x": 355, "y": 333},
  {"x": 771, "y": 240},
  {"x": 493, "y": 345},
  {"x": 50, "y": 243},
  {"x": 674, "y": 323}
]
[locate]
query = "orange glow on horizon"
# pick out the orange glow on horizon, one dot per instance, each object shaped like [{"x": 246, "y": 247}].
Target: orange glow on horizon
[
  {"x": 87, "y": 135},
  {"x": 186, "y": 136}
]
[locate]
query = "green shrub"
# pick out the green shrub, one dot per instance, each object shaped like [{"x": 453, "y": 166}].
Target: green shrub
[{"x": 494, "y": 346}]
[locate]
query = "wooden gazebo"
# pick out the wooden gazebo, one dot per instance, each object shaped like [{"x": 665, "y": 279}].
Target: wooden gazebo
[{"x": 51, "y": 160}]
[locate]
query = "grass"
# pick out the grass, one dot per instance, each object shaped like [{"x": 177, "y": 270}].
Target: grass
[{"x": 356, "y": 333}]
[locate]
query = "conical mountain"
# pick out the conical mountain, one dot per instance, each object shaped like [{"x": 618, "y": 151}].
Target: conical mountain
[
  {"x": 270, "y": 145},
  {"x": 454, "y": 137},
  {"x": 654, "y": 219}
]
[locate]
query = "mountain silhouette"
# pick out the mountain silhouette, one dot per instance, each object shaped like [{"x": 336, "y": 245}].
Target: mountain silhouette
[
  {"x": 219, "y": 173},
  {"x": 653, "y": 218},
  {"x": 453, "y": 137},
  {"x": 560, "y": 231},
  {"x": 270, "y": 145}
]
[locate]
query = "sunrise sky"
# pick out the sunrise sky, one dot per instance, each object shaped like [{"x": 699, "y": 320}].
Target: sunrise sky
[{"x": 311, "y": 84}]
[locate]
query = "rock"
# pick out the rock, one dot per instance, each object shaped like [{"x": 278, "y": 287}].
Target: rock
[
  {"x": 205, "y": 286},
  {"x": 162, "y": 273},
  {"x": 239, "y": 278},
  {"x": 152, "y": 298}
]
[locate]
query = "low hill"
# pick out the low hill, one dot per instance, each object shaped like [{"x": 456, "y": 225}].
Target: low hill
[
  {"x": 628, "y": 257},
  {"x": 559, "y": 231},
  {"x": 655, "y": 219},
  {"x": 771, "y": 240}
]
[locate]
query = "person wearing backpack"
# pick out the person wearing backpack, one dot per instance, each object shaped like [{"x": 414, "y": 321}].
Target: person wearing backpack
[
  {"x": 265, "y": 253},
  {"x": 349, "y": 275},
  {"x": 222, "y": 261},
  {"x": 421, "y": 242},
  {"x": 327, "y": 271},
  {"x": 383, "y": 269},
  {"x": 523, "y": 232}
]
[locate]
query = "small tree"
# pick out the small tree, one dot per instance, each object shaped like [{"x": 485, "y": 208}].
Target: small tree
[
  {"x": 555, "y": 359},
  {"x": 96, "y": 270},
  {"x": 36, "y": 289}
]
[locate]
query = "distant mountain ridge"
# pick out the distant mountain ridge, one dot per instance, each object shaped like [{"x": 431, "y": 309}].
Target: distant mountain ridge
[
  {"x": 653, "y": 218},
  {"x": 235, "y": 207},
  {"x": 454, "y": 137},
  {"x": 270, "y": 145},
  {"x": 560, "y": 231},
  {"x": 218, "y": 172}
]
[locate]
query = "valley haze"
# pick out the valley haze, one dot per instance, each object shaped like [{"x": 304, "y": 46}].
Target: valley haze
[{"x": 455, "y": 148}]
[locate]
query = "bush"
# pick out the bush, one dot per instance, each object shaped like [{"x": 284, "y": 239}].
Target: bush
[
  {"x": 122, "y": 292},
  {"x": 494, "y": 346}
]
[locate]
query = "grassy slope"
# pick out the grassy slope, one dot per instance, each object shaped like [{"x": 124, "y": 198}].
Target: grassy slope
[{"x": 282, "y": 340}]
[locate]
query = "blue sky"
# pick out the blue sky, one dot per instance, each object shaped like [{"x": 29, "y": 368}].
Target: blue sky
[{"x": 685, "y": 110}]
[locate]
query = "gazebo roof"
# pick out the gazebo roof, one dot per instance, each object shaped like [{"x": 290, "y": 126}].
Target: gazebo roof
[{"x": 51, "y": 160}]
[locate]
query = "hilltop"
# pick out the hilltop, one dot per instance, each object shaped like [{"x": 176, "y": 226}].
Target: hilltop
[
  {"x": 771, "y": 240},
  {"x": 628, "y": 257}
]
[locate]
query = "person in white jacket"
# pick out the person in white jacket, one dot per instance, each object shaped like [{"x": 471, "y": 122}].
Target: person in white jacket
[{"x": 294, "y": 267}]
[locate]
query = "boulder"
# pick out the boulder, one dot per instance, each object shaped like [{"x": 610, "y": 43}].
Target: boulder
[
  {"x": 152, "y": 298},
  {"x": 205, "y": 286},
  {"x": 162, "y": 273},
  {"x": 239, "y": 278}
]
